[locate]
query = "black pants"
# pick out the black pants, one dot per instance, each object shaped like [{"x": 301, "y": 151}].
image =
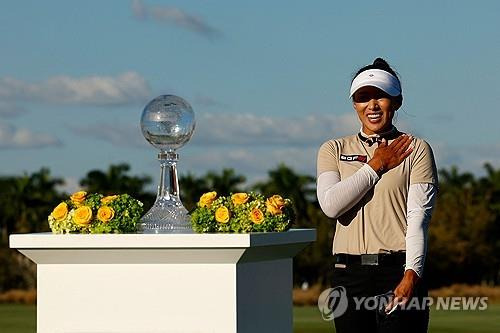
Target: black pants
[{"x": 369, "y": 281}]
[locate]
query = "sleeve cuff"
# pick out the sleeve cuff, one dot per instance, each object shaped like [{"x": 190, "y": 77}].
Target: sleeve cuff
[
  {"x": 415, "y": 270},
  {"x": 370, "y": 172}
]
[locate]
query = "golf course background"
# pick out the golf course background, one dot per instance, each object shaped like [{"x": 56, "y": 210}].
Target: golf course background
[
  {"x": 19, "y": 318},
  {"x": 463, "y": 238}
]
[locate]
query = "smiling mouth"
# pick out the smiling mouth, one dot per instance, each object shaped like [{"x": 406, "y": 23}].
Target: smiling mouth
[{"x": 374, "y": 117}]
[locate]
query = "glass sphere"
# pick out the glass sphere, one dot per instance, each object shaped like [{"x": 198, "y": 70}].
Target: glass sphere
[{"x": 167, "y": 122}]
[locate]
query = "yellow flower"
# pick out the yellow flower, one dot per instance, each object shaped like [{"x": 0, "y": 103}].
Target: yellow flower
[
  {"x": 239, "y": 198},
  {"x": 78, "y": 197},
  {"x": 222, "y": 214},
  {"x": 105, "y": 214},
  {"x": 257, "y": 216},
  {"x": 275, "y": 205},
  {"x": 83, "y": 215},
  {"x": 108, "y": 199},
  {"x": 60, "y": 212},
  {"x": 207, "y": 199}
]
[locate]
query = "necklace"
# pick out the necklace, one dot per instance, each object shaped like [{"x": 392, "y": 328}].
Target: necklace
[
  {"x": 362, "y": 142},
  {"x": 371, "y": 140}
]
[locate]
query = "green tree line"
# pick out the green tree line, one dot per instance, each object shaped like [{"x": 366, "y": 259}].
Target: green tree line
[{"x": 464, "y": 233}]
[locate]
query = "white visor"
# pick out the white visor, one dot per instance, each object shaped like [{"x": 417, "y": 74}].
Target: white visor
[{"x": 377, "y": 78}]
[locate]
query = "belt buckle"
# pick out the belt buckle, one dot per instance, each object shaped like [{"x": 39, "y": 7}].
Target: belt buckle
[{"x": 369, "y": 259}]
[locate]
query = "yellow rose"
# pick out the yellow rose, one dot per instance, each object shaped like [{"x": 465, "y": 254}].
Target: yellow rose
[
  {"x": 257, "y": 216},
  {"x": 60, "y": 212},
  {"x": 108, "y": 199},
  {"x": 239, "y": 198},
  {"x": 222, "y": 215},
  {"x": 207, "y": 199},
  {"x": 78, "y": 197},
  {"x": 83, "y": 215},
  {"x": 275, "y": 205},
  {"x": 105, "y": 214}
]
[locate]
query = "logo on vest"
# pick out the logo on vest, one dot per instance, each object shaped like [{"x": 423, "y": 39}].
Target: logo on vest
[{"x": 353, "y": 158}]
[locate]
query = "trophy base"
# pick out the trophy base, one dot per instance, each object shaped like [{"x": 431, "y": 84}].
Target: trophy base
[{"x": 166, "y": 220}]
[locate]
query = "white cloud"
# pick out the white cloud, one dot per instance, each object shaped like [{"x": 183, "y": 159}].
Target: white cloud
[
  {"x": 125, "y": 88},
  {"x": 224, "y": 129},
  {"x": 253, "y": 162},
  {"x": 478, "y": 154},
  {"x": 8, "y": 110},
  {"x": 70, "y": 185},
  {"x": 467, "y": 157},
  {"x": 208, "y": 101},
  {"x": 18, "y": 138},
  {"x": 119, "y": 134},
  {"x": 175, "y": 16},
  {"x": 253, "y": 144},
  {"x": 251, "y": 129}
]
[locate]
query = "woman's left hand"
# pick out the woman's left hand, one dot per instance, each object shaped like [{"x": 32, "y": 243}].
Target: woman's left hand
[{"x": 404, "y": 290}]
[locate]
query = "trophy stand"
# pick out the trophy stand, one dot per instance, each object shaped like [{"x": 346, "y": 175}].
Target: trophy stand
[{"x": 167, "y": 123}]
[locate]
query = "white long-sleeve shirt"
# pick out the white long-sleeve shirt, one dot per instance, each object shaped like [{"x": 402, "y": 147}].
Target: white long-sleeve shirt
[{"x": 337, "y": 196}]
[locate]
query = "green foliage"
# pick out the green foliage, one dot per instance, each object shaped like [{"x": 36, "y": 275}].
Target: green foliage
[
  {"x": 117, "y": 180},
  {"x": 126, "y": 211},
  {"x": 239, "y": 217},
  {"x": 192, "y": 187},
  {"x": 464, "y": 233},
  {"x": 203, "y": 220},
  {"x": 114, "y": 180},
  {"x": 313, "y": 264},
  {"x": 24, "y": 202},
  {"x": 299, "y": 188}
]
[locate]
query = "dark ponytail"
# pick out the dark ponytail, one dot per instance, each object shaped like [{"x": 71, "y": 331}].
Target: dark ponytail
[{"x": 378, "y": 63}]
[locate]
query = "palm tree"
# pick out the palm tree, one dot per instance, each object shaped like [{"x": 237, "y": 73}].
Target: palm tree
[
  {"x": 226, "y": 182},
  {"x": 25, "y": 203},
  {"x": 312, "y": 264},
  {"x": 454, "y": 180},
  {"x": 489, "y": 193},
  {"x": 286, "y": 182},
  {"x": 464, "y": 231},
  {"x": 116, "y": 181},
  {"x": 191, "y": 188}
]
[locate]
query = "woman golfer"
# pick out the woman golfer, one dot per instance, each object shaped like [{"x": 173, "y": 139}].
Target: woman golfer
[{"x": 379, "y": 185}]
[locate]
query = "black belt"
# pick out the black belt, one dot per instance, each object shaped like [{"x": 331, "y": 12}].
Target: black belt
[{"x": 381, "y": 259}]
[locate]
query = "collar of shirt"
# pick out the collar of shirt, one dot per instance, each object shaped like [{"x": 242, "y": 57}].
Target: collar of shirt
[
  {"x": 381, "y": 135},
  {"x": 373, "y": 138}
]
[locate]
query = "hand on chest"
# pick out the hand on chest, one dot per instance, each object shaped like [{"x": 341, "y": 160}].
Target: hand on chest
[{"x": 394, "y": 179}]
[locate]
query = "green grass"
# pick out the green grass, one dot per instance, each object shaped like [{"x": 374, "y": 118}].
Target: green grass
[
  {"x": 17, "y": 318},
  {"x": 308, "y": 320},
  {"x": 22, "y": 319},
  {"x": 466, "y": 321}
]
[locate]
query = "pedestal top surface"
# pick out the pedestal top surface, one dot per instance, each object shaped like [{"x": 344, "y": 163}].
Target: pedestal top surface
[{"x": 75, "y": 241}]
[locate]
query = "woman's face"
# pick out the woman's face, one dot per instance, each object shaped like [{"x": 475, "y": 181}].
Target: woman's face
[{"x": 375, "y": 109}]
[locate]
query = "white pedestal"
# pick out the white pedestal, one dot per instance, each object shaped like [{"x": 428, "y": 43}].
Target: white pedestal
[{"x": 164, "y": 283}]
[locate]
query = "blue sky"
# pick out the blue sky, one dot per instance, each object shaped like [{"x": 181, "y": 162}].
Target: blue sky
[{"x": 268, "y": 81}]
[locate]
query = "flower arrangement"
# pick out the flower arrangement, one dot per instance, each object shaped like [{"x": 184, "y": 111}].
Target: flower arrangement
[
  {"x": 96, "y": 213},
  {"x": 241, "y": 212}
]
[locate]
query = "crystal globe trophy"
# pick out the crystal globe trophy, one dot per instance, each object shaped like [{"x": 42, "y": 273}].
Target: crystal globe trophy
[{"x": 167, "y": 123}]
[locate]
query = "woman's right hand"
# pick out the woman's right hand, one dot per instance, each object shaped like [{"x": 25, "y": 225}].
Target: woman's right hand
[{"x": 387, "y": 157}]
